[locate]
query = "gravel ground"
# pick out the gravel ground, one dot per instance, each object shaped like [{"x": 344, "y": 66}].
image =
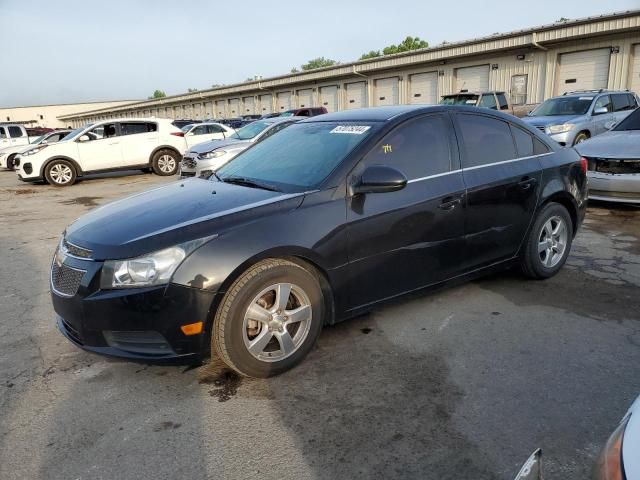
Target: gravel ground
[{"x": 462, "y": 383}]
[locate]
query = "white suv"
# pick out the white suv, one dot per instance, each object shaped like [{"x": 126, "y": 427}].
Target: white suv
[{"x": 109, "y": 145}]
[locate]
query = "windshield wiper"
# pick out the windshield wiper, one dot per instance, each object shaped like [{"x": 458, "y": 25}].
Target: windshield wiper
[{"x": 248, "y": 182}]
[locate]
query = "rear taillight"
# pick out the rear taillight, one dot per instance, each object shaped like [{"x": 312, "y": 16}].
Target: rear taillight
[
  {"x": 178, "y": 134},
  {"x": 584, "y": 165}
]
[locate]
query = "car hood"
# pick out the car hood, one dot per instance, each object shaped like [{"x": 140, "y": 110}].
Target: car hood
[
  {"x": 631, "y": 443},
  {"x": 172, "y": 214},
  {"x": 612, "y": 144},
  {"x": 211, "y": 145},
  {"x": 552, "y": 120}
]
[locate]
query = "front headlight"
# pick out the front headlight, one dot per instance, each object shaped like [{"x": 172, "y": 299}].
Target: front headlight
[
  {"x": 156, "y": 268},
  {"x": 609, "y": 466},
  {"x": 34, "y": 150},
  {"x": 214, "y": 154},
  {"x": 565, "y": 127}
]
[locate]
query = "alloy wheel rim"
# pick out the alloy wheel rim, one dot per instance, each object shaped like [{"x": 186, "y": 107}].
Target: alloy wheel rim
[
  {"x": 166, "y": 164},
  {"x": 552, "y": 241},
  {"x": 277, "y": 322},
  {"x": 60, "y": 173}
]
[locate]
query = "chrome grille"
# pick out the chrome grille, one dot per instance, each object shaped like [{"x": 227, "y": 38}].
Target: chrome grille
[
  {"x": 65, "y": 280},
  {"x": 76, "y": 251}
]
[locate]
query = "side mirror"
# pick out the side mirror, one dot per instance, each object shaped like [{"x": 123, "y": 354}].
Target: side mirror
[
  {"x": 380, "y": 179},
  {"x": 600, "y": 110},
  {"x": 84, "y": 138}
]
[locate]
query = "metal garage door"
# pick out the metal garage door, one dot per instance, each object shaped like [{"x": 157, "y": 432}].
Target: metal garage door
[
  {"x": 266, "y": 104},
  {"x": 221, "y": 111},
  {"x": 423, "y": 88},
  {"x": 305, "y": 98},
  {"x": 208, "y": 109},
  {"x": 249, "y": 105},
  {"x": 634, "y": 84},
  {"x": 387, "y": 91},
  {"x": 472, "y": 78},
  {"x": 234, "y": 107},
  {"x": 356, "y": 95},
  {"x": 583, "y": 70},
  {"x": 329, "y": 98},
  {"x": 283, "y": 101}
]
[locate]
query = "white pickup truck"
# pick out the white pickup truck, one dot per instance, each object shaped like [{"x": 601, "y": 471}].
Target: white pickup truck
[{"x": 13, "y": 134}]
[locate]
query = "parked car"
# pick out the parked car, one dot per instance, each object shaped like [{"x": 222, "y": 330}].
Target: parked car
[
  {"x": 494, "y": 100},
  {"x": 614, "y": 162},
  {"x": 195, "y": 133},
  {"x": 183, "y": 122},
  {"x": 577, "y": 116},
  {"x": 204, "y": 159},
  {"x": 304, "y": 112},
  {"x": 8, "y": 154},
  {"x": 13, "y": 135},
  {"x": 251, "y": 116},
  {"x": 270, "y": 115},
  {"x": 234, "y": 123},
  {"x": 619, "y": 460},
  {"x": 35, "y": 132},
  {"x": 314, "y": 225},
  {"x": 105, "y": 146}
]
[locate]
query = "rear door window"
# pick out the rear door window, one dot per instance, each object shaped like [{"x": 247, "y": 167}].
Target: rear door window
[
  {"x": 132, "y": 128},
  {"x": 215, "y": 129},
  {"x": 418, "y": 148},
  {"x": 524, "y": 142},
  {"x": 15, "y": 132},
  {"x": 485, "y": 140},
  {"x": 488, "y": 101},
  {"x": 3, "y": 133}
]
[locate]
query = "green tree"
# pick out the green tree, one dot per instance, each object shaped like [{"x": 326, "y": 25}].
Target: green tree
[
  {"x": 371, "y": 54},
  {"x": 408, "y": 44},
  {"x": 294, "y": 70},
  {"x": 562, "y": 20},
  {"x": 216, "y": 85},
  {"x": 192, "y": 90},
  {"x": 158, "y": 94},
  {"x": 318, "y": 63}
]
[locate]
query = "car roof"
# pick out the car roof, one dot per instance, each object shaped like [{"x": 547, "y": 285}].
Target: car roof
[
  {"x": 279, "y": 119},
  {"x": 372, "y": 114},
  {"x": 474, "y": 92},
  {"x": 583, "y": 93}
]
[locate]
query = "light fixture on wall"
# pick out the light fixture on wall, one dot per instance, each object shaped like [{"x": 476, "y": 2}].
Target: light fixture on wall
[
  {"x": 494, "y": 66},
  {"x": 520, "y": 57},
  {"x": 441, "y": 73},
  {"x": 615, "y": 49}
]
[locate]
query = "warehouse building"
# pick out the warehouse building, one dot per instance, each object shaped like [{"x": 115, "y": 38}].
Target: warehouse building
[
  {"x": 531, "y": 65},
  {"x": 50, "y": 115}
]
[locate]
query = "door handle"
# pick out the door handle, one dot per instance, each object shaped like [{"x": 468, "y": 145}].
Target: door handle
[
  {"x": 449, "y": 203},
  {"x": 526, "y": 183}
]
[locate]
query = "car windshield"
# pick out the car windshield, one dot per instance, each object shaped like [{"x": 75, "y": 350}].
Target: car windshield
[
  {"x": 39, "y": 139},
  {"x": 563, "y": 106},
  {"x": 186, "y": 128},
  {"x": 460, "y": 100},
  {"x": 631, "y": 122},
  {"x": 75, "y": 132},
  {"x": 299, "y": 157},
  {"x": 250, "y": 131}
]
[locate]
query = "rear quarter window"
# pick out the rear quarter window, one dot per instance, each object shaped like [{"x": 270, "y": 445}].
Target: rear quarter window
[
  {"x": 485, "y": 140},
  {"x": 524, "y": 142},
  {"x": 15, "y": 132}
]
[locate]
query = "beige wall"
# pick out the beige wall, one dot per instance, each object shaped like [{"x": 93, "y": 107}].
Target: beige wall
[{"x": 46, "y": 115}]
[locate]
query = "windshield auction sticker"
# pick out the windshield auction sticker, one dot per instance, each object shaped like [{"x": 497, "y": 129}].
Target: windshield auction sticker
[{"x": 351, "y": 129}]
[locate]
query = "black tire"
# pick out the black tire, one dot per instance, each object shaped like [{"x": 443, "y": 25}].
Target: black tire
[
  {"x": 10, "y": 158},
  {"x": 165, "y": 162},
  {"x": 230, "y": 332},
  {"x": 540, "y": 264},
  {"x": 581, "y": 137},
  {"x": 60, "y": 173}
]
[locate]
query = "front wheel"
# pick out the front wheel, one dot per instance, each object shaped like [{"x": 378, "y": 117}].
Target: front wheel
[
  {"x": 581, "y": 137},
  {"x": 165, "y": 162},
  {"x": 269, "y": 319},
  {"x": 549, "y": 242},
  {"x": 60, "y": 173},
  {"x": 10, "y": 159}
]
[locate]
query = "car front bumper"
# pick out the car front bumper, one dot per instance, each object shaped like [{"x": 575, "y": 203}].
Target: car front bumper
[
  {"x": 565, "y": 138},
  {"x": 140, "y": 324},
  {"x": 624, "y": 188}
]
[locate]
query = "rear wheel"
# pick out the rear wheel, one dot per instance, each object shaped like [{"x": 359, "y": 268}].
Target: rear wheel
[
  {"x": 269, "y": 319},
  {"x": 60, "y": 173},
  {"x": 549, "y": 242},
  {"x": 165, "y": 162}
]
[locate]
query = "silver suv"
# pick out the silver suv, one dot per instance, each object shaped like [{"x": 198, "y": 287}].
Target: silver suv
[{"x": 576, "y": 116}]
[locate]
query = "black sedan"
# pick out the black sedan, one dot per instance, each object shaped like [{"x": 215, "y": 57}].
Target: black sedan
[{"x": 314, "y": 225}]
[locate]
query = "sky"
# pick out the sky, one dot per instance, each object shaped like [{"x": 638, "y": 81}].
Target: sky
[{"x": 75, "y": 51}]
